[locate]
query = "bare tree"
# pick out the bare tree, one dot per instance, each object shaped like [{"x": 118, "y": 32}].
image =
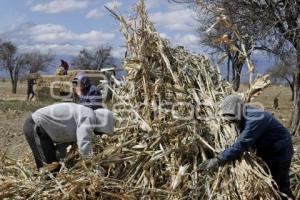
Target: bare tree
[
  {"x": 279, "y": 20},
  {"x": 83, "y": 60},
  {"x": 226, "y": 37},
  {"x": 94, "y": 59},
  {"x": 12, "y": 62},
  {"x": 37, "y": 61},
  {"x": 276, "y": 23},
  {"x": 223, "y": 42},
  {"x": 102, "y": 56},
  {"x": 283, "y": 71}
]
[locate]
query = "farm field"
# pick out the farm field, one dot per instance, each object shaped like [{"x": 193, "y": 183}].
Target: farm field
[{"x": 14, "y": 110}]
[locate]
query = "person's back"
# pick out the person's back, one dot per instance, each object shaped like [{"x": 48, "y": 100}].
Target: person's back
[
  {"x": 65, "y": 123},
  {"x": 62, "y": 120},
  {"x": 89, "y": 95},
  {"x": 261, "y": 130},
  {"x": 65, "y": 66},
  {"x": 273, "y": 142}
]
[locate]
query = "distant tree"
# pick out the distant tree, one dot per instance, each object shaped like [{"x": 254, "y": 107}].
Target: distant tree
[
  {"x": 227, "y": 37},
  {"x": 12, "y": 62},
  {"x": 228, "y": 46},
  {"x": 37, "y": 61},
  {"x": 276, "y": 21},
  {"x": 83, "y": 60},
  {"x": 283, "y": 71},
  {"x": 94, "y": 59}
]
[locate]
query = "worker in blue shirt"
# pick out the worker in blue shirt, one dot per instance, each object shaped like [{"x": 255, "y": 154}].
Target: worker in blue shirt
[
  {"x": 263, "y": 132},
  {"x": 89, "y": 95}
]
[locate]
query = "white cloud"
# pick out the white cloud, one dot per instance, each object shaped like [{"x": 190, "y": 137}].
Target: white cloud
[
  {"x": 152, "y": 3},
  {"x": 52, "y": 33},
  {"x": 95, "y": 13},
  {"x": 28, "y": 2},
  {"x": 189, "y": 41},
  {"x": 164, "y": 35},
  {"x": 56, "y": 49},
  {"x": 98, "y": 13},
  {"x": 177, "y": 19},
  {"x": 118, "y": 52},
  {"x": 94, "y": 37},
  {"x": 55, "y": 38},
  {"x": 57, "y": 6},
  {"x": 114, "y": 4}
]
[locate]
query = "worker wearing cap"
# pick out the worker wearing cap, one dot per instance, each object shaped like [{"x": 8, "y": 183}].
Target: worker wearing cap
[
  {"x": 65, "y": 123},
  {"x": 89, "y": 95},
  {"x": 261, "y": 131}
]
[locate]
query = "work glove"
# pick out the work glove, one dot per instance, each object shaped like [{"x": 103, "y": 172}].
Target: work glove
[{"x": 210, "y": 165}]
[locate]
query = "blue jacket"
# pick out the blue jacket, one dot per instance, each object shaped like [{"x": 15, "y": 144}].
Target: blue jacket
[
  {"x": 92, "y": 96},
  {"x": 263, "y": 132}
]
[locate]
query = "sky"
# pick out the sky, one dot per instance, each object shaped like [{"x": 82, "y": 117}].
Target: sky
[{"x": 65, "y": 27}]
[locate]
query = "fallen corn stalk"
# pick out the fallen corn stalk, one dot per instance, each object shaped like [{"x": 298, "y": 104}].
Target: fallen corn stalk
[{"x": 176, "y": 94}]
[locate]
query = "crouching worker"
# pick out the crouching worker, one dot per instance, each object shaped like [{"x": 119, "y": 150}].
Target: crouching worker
[
  {"x": 261, "y": 131},
  {"x": 65, "y": 123},
  {"x": 89, "y": 95}
]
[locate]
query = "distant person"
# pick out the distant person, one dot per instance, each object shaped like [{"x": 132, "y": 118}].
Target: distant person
[
  {"x": 30, "y": 91},
  {"x": 89, "y": 95},
  {"x": 65, "y": 123},
  {"x": 276, "y": 101},
  {"x": 65, "y": 66}
]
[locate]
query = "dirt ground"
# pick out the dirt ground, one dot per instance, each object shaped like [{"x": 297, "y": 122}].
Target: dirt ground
[
  {"x": 14, "y": 110},
  {"x": 285, "y": 108}
]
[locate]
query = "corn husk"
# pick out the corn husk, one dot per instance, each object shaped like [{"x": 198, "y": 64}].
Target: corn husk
[{"x": 166, "y": 127}]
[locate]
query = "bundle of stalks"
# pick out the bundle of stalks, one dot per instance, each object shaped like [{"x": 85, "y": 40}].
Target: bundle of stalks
[
  {"x": 167, "y": 125},
  {"x": 295, "y": 175}
]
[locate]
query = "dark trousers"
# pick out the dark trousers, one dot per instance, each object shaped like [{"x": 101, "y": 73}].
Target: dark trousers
[
  {"x": 41, "y": 145},
  {"x": 30, "y": 92},
  {"x": 280, "y": 174}
]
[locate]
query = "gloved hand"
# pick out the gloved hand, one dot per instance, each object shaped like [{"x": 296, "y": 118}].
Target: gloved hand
[{"x": 210, "y": 165}]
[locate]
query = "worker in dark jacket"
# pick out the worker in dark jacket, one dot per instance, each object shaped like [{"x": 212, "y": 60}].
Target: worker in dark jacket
[
  {"x": 259, "y": 130},
  {"x": 30, "y": 91},
  {"x": 89, "y": 95},
  {"x": 65, "y": 66}
]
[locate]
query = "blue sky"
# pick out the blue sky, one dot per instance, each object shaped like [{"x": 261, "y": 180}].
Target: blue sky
[
  {"x": 67, "y": 26},
  {"x": 64, "y": 27}
]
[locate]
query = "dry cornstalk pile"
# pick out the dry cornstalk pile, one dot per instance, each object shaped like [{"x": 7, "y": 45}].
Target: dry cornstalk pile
[
  {"x": 166, "y": 128},
  {"x": 295, "y": 175}
]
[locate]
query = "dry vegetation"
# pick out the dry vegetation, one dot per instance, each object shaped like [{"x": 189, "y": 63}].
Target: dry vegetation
[{"x": 154, "y": 155}]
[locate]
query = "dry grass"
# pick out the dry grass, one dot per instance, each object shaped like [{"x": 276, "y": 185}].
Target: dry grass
[{"x": 153, "y": 154}]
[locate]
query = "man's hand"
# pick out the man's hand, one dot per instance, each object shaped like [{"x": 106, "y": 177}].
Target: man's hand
[
  {"x": 78, "y": 91},
  {"x": 210, "y": 165}
]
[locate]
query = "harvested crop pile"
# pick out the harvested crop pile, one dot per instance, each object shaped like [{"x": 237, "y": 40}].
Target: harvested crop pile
[
  {"x": 166, "y": 127},
  {"x": 295, "y": 175}
]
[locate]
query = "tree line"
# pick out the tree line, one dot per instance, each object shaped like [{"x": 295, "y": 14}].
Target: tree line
[{"x": 18, "y": 63}]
